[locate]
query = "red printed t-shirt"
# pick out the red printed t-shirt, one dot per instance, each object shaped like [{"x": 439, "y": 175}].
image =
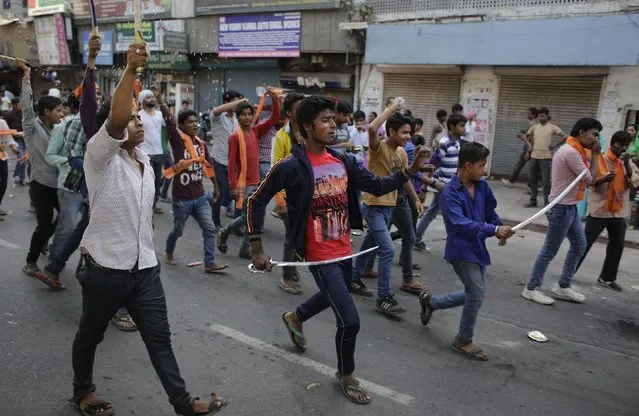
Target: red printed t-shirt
[{"x": 327, "y": 228}]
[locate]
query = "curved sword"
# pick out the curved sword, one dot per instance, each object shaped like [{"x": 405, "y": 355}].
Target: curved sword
[{"x": 252, "y": 268}]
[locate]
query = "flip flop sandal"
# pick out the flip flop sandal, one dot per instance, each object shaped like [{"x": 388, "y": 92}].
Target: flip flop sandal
[
  {"x": 475, "y": 354},
  {"x": 216, "y": 268},
  {"x": 216, "y": 405},
  {"x": 351, "y": 389},
  {"x": 427, "y": 312},
  {"x": 54, "y": 284},
  {"x": 294, "y": 333},
  {"x": 100, "y": 408},
  {"x": 124, "y": 323},
  {"x": 413, "y": 288},
  {"x": 291, "y": 290}
]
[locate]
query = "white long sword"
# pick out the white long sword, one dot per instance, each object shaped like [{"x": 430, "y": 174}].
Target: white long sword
[
  {"x": 552, "y": 204},
  {"x": 252, "y": 268}
]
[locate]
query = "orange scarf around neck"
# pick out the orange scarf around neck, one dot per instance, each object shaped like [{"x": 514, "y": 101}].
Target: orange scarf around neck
[
  {"x": 194, "y": 158},
  {"x": 576, "y": 144},
  {"x": 241, "y": 181},
  {"x": 616, "y": 188}
]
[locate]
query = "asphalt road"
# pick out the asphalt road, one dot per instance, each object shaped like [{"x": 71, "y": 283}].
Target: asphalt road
[{"x": 228, "y": 338}]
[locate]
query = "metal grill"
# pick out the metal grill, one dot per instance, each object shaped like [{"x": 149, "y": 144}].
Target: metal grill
[{"x": 413, "y": 6}]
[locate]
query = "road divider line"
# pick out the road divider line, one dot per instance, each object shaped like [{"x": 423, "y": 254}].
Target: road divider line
[
  {"x": 7, "y": 244},
  {"x": 374, "y": 389}
]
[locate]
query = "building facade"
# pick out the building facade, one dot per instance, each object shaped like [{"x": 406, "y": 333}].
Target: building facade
[{"x": 576, "y": 57}]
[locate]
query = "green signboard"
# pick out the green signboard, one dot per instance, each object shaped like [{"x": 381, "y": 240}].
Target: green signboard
[{"x": 169, "y": 62}]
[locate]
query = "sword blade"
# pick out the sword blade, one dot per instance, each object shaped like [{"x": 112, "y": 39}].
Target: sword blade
[
  {"x": 252, "y": 268},
  {"x": 552, "y": 204}
]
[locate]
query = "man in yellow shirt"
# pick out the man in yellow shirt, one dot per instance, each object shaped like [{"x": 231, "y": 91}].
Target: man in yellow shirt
[
  {"x": 540, "y": 154},
  {"x": 287, "y": 137}
]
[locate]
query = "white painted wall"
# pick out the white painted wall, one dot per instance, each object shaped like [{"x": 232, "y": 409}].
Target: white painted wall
[
  {"x": 479, "y": 92},
  {"x": 620, "y": 94}
]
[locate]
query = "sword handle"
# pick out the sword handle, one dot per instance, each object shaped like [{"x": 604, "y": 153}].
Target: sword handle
[{"x": 253, "y": 269}]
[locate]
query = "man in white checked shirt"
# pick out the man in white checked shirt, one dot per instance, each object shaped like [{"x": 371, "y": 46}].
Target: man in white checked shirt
[{"x": 121, "y": 266}]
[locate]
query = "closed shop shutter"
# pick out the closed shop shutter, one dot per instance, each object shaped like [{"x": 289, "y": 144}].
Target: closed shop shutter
[
  {"x": 568, "y": 98},
  {"x": 208, "y": 89},
  {"x": 424, "y": 93},
  {"x": 246, "y": 81}
]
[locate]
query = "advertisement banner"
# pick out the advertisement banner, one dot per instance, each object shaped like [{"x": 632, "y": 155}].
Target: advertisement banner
[
  {"x": 153, "y": 33},
  {"x": 105, "y": 57},
  {"x": 44, "y": 7},
  {"x": 267, "y": 35},
  {"x": 121, "y": 10},
  {"x": 260, "y": 6},
  {"x": 51, "y": 39}
]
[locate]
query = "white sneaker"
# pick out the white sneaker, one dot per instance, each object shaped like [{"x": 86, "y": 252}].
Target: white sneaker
[
  {"x": 506, "y": 182},
  {"x": 567, "y": 293},
  {"x": 538, "y": 296}
]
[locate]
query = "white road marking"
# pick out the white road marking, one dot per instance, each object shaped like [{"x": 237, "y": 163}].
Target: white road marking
[
  {"x": 374, "y": 389},
  {"x": 7, "y": 244}
]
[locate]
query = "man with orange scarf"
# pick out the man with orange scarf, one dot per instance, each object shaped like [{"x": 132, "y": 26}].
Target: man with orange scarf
[
  {"x": 244, "y": 166},
  {"x": 563, "y": 219},
  {"x": 190, "y": 199},
  {"x": 609, "y": 205}
]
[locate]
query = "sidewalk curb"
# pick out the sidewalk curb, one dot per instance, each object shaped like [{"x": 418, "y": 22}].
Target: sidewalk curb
[{"x": 539, "y": 228}]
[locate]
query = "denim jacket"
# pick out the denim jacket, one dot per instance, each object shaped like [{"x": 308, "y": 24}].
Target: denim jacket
[{"x": 295, "y": 175}]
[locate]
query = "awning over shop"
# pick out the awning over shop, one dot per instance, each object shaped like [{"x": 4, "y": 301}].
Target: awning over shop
[{"x": 576, "y": 41}]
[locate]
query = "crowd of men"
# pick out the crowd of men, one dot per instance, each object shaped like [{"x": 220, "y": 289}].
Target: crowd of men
[{"x": 332, "y": 173}]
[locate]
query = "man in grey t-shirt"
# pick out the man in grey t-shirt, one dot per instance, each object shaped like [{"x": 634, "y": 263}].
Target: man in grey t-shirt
[
  {"x": 342, "y": 141},
  {"x": 223, "y": 124}
]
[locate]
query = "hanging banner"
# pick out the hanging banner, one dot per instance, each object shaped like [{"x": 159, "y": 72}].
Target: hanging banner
[
  {"x": 121, "y": 10},
  {"x": 52, "y": 41},
  {"x": 105, "y": 57},
  {"x": 44, "y": 7},
  {"x": 266, "y": 35},
  {"x": 260, "y": 6},
  {"x": 152, "y": 31}
]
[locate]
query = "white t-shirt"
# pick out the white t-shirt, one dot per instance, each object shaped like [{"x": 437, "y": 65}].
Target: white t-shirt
[
  {"x": 152, "y": 144},
  {"x": 359, "y": 138}
]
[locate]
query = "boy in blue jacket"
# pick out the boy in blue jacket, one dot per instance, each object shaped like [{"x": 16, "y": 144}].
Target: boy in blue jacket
[
  {"x": 321, "y": 196},
  {"x": 468, "y": 206}
]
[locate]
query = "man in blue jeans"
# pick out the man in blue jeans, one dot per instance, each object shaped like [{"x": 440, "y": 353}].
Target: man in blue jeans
[
  {"x": 223, "y": 124},
  {"x": 468, "y": 206},
  {"x": 563, "y": 219},
  {"x": 192, "y": 165},
  {"x": 445, "y": 160},
  {"x": 385, "y": 158}
]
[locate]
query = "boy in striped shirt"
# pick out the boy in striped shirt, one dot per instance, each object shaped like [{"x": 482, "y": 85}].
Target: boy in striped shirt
[{"x": 445, "y": 160}]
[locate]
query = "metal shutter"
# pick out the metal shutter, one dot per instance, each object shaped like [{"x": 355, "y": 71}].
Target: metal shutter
[
  {"x": 567, "y": 98},
  {"x": 424, "y": 93}
]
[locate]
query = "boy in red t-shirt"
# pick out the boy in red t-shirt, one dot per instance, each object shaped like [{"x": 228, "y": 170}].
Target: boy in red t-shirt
[{"x": 321, "y": 195}]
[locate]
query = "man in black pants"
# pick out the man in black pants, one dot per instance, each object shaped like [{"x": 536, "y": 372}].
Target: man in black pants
[
  {"x": 43, "y": 178},
  {"x": 532, "y": 120},
  {"x": 121, "y": 266},
  {"x": 609, "y": 205}
]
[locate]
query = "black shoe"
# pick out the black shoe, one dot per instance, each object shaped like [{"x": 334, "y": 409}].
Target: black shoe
[
  {"x": 245, "y": 253},
  {"x": 610, "y": 285},
  {"x": 389, "y": 306},
  {"x": 222, "y": 241},
  {"x": 530, "y": 205},
  {"x": 359, "y": 288}
]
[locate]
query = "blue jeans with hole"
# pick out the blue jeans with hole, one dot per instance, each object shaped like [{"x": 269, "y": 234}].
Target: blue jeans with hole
[
  {"x": 563, "y": 221},
  {"x": 427, "y": 218},
  {"x": 200, "y": 210},
  {"x": 239, "y": 222},
  {"x": 473, "y": 276},
  {"x": 334, "y": 281},
  {"x": 68, "y": 219},
  {"x": 378, "y": 218}
]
